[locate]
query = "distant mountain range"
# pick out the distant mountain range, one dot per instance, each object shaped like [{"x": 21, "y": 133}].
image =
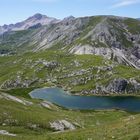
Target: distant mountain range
[{"x": 35, "y": 21}]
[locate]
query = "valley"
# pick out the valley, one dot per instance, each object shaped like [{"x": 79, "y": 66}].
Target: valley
[{"x": 92, "y": 58}]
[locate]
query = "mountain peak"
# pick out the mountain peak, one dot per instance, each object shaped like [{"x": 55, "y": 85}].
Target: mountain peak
[
  {"x": 37, "y": 16},
  {"x": 69, "y": 18},
  {"x": 36, "y": 20}
]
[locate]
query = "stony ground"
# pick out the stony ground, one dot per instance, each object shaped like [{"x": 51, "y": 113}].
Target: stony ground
[{"x": 82, "y": 74}]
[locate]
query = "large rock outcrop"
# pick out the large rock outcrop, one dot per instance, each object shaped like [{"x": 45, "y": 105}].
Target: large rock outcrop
[
  {"x": 123, "y": 86},
  {"x": 117, "y": 86},
  {"x": 61, "y": 125}
]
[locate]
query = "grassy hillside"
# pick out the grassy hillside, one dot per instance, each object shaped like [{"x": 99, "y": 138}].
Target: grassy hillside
[
  {"x": 98, "y": 125},
  {"x": 72, "y": 72}
]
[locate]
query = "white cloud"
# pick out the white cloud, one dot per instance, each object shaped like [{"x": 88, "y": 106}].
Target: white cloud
[{"x": 122, "y": 3}]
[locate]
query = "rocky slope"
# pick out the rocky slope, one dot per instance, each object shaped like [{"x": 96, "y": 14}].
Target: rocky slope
[
  {"x": 113, "y": 37},
  {"x": 99, "y": 54}
]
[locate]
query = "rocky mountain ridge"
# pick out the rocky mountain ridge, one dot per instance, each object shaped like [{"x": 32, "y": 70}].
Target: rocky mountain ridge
[
  {"x": 34, "y": 21},
  {"x": 112, "y": 37}
]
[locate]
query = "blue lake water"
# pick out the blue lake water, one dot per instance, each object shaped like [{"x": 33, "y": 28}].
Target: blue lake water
[{"x": 61, "y": 98}]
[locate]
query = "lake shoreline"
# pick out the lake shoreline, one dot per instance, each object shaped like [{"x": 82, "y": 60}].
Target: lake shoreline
[
  {"x": 63, "y": 99},
  {"x": 73, "y": 93}
]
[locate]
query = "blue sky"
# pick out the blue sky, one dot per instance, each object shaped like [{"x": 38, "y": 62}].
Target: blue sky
[{"x": 12, "y": 11}]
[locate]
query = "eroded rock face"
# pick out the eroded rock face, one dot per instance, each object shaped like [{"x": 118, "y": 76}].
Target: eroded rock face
[
  {"x": 131, "y": 58},
  {"x": 136, "y": 51},
  {"x": 87, "y": 49},
  {"x": 61, "y": 125},
  {"x": 133, "y": 86},
  {"x": 117, "y": 86}
]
